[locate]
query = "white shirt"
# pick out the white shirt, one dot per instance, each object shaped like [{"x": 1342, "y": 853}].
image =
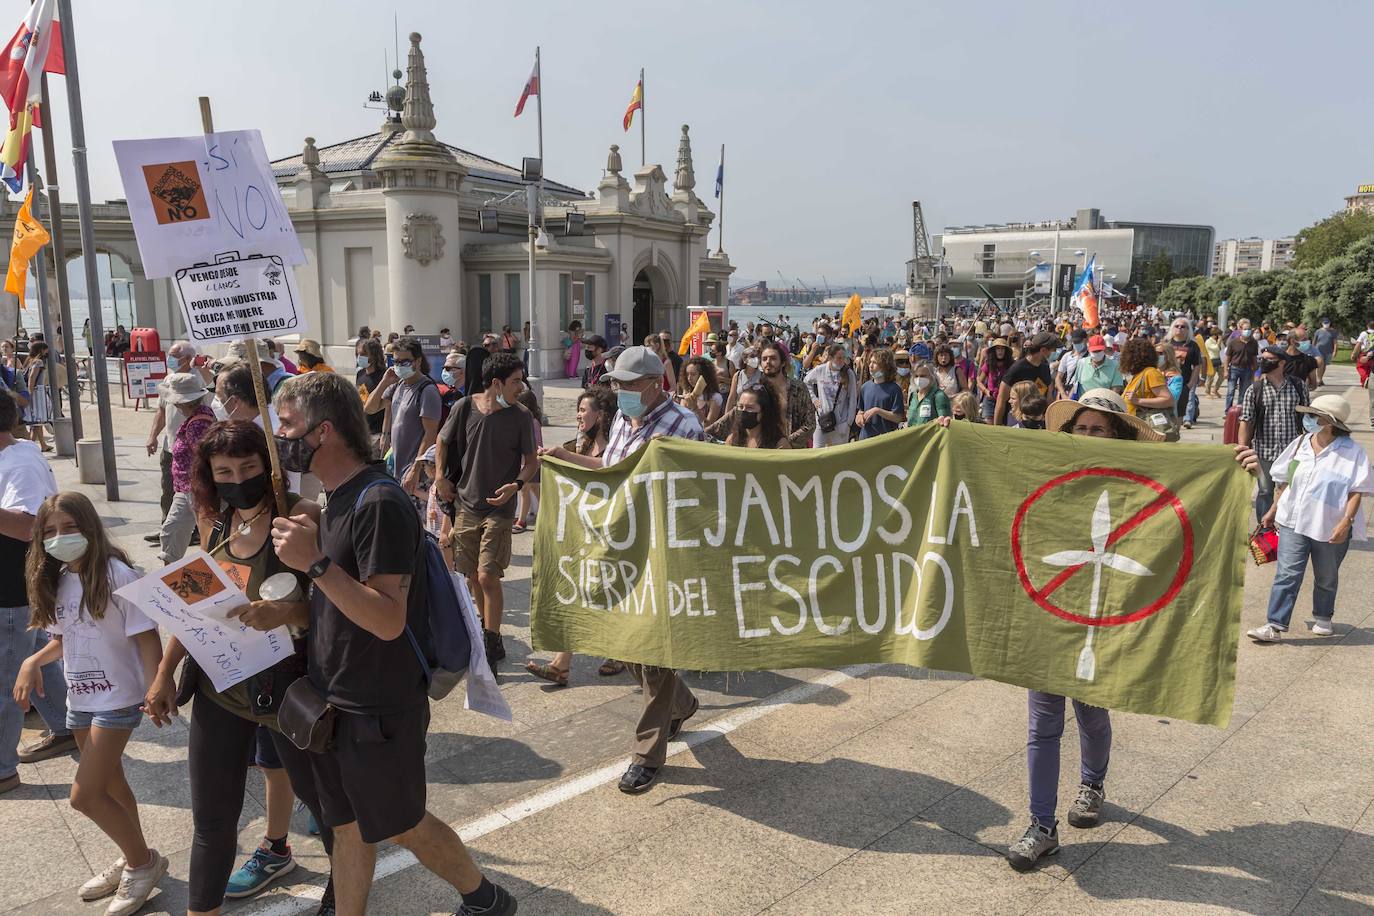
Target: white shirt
[
  {"x": 100, "y": 656},
  {"x": 25, "y": 478},
  {"x": 1320, "y": 484}
]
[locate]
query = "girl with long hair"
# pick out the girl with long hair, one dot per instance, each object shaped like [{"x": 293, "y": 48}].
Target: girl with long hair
[
  {"x": 39, "y": 412},
  {"x": 110, "y": 651},
  {"x": 699, "y": 390},
  {"x": 758, "y": 419}
]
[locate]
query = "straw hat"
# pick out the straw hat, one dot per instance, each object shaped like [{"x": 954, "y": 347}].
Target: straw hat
[
  {"x": 1104, "y": 400},
  {"x": 999, "y": 342},
  {"x": 1332, "y": 406}
]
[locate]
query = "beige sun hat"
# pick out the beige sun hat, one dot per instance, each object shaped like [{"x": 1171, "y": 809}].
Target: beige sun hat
[
  {"x": 1332, "y": 406},
  {"x": 1061, "y": 413}
]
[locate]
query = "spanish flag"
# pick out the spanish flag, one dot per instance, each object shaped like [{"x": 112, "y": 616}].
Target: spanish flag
[
  {"x": 700, "y": 325},
  {"x": 636, "y": 103},
  {"x": 852, "y": 318},
  {"x": 29, "y": 236}
]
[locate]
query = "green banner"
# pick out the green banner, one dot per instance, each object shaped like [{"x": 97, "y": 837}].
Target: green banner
[{"x": 1106, "y": 571}]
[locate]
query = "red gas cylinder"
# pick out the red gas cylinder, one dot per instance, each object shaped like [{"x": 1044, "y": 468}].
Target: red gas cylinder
[{"x": 144, "y": 340}]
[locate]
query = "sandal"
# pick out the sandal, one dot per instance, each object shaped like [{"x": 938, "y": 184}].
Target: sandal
[
  {"x": 548, "y": 672},
  {"x": 518, "y": 527},
  {"x": 610, "y": 668}
]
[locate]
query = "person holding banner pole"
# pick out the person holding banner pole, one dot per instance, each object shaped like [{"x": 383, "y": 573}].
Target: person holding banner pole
[{"x": 646, "y": 412}]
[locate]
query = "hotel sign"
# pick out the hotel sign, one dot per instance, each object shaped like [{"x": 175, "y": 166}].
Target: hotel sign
[{"x": 1366, "y": 189}]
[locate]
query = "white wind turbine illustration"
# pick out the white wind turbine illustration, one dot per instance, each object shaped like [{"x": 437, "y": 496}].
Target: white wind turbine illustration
[{"x": 1098, "y": 557}]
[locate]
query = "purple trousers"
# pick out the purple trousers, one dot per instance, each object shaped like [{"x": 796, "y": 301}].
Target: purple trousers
[{"x": 1046, "y": 728}]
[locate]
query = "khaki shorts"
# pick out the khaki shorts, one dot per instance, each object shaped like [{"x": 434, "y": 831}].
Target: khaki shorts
[{"x": 482, "y": 542}]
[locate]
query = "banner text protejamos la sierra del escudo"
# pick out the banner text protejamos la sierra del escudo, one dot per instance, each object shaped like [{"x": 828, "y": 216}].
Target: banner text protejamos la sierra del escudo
[{"x": 1110, "y": 572}]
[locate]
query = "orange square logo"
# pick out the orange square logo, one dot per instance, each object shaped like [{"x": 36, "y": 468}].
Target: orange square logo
[
  {"x": 176, "y": 191},
  {"x": 194, "y": 582}
]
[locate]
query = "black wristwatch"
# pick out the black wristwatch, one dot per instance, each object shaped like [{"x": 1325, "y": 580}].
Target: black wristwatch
[
  {"x": 519, "y": 484},
  {"x": 318, "y": 568}
]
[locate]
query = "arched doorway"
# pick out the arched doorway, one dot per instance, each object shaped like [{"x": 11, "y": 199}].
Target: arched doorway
[{"x": 642, "y": 316}]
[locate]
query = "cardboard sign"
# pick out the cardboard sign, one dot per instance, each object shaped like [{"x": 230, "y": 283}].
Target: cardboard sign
[
  {"x": 192, "y": 198},
  {"x": 237, "y": 297},
  {"x": 142, "y": 372},
  {"x": 191, "y": 599}
]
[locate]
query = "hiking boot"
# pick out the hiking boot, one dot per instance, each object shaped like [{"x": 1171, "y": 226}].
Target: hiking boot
[
  {"x": 1266, "y": 633},
  {"x": 135, "y": 885},
  {"x": 503, "y": 905},
  {"x": 1318, "y": 626},
  {"x": 262, "y": 868},
  {"x": 47, "y": 745},
  {"x": 105, "y": 883},
  {"x": 496, "y": 649},
  {"x": 1087, "y": 807},
  {"x": 1035, "y": 843}
]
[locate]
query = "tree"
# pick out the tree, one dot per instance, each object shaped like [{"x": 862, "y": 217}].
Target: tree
[
  {"x": 1343, "y": 287},
  {"x": 1159, "y": 270},
  {"x": 1179, "y": 295},
  {"x": 1331, "y": 237},
  {"x": 1252, "y": 294}
]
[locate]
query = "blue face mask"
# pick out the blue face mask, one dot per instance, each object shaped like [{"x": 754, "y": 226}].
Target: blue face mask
[
  {"x": 501, "y": 399},
  {"x": 1310, "y": 423},
  {"x": 631, "y": 404},
  {"x": 448, "y": 378},
  {"x": 1081, "y": 347},
  {"x": 362, "y": 362},
  {"x": 404, "y": 372}
]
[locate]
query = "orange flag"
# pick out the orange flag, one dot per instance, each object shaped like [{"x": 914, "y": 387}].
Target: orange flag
[
  {"x": 700, "y": 325},
  {"x": 29, "y": 236},
  {"x": 852, "y": 318}
]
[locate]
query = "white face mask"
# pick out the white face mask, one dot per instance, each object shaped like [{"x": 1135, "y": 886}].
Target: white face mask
[
  {"x": 66, "y": 547},
  {"x": 752, "y": 362},
  {"x": 221, "y": 412},
  {"x": 922, "y": 382},
  {"x": 1098, "y": 356}
]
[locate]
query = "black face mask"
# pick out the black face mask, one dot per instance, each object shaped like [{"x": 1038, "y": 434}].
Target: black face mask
[
  {"x": 748, "y": 419},
  {"x": 296, "y": 454},
  {"x": 1269, "y": 365},
  {"x": 245, "y": 494},
  {"x": 1032, "y": 424}
]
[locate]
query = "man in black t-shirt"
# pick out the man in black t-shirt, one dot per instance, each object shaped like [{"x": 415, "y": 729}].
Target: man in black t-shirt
[
  {"x": 1033, "y": 366},
  {"x": 368, "y": 599},
  {"x": 1189, "y": 356}
]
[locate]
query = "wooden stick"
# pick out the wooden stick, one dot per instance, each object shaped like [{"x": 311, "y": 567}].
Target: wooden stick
[{"x": 255, "y": 367}]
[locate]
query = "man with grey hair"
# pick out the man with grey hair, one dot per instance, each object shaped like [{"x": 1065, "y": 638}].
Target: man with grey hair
[
  {"x": 1190, "y": 363},
  {"x": 368, "y": 635}
]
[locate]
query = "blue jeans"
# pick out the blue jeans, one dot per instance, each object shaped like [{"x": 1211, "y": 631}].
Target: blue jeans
[
  {"x": 17, "y": 643},
  {"x": 1264, "y": 489},
  {"x": 1237, "y": 382},
  {"x": 1042, "y": 748},
  {"x": 1294, "y": 550},
  {"x": 1193, "y": 406}
]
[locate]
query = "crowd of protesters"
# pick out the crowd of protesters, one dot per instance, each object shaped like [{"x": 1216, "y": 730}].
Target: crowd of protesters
[{"x": 447, "y": 442}]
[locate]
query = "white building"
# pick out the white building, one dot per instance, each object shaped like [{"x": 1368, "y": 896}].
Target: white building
[
  {"x": 1239, "y": 256},
  {"x": 399, "y": 228}
]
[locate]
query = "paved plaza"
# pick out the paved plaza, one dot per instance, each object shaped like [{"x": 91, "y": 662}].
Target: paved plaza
[{"x": 876, "y": 789}]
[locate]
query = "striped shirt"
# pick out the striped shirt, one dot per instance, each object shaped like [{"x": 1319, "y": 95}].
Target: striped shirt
[{"x": 667, "y": 419}]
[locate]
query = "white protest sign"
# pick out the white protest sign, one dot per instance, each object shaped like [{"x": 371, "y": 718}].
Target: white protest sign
[
  {"x": 193, "y": 198},
  {"x": 190, "y": 599},
  {"x": 238, "y": 297}
]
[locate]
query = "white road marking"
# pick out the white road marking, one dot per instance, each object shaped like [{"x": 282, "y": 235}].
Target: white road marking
[{"x": 398, "y": 859}]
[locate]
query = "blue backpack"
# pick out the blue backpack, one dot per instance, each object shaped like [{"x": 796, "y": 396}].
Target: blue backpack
[{"x": 448, "y": 624}]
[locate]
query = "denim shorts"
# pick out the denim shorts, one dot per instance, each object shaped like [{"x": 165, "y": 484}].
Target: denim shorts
[{"x": 126, "y": 718}]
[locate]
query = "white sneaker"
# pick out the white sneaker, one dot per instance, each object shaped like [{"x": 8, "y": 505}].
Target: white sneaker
[
  {"x": 1320, "y": 627},
  {"x": 1266, "y": 633},
  {"x": 135, "y": 886},
  {"x": 105, "y": 883}
]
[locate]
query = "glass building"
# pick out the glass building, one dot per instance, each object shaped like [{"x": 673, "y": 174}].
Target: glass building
[{"x": 1189, "y": 247}]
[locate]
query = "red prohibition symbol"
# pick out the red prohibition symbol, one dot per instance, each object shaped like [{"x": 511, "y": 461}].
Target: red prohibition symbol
[{"x": 1164, "y": 499}]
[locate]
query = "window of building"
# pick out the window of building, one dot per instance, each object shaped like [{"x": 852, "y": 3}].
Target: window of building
[
  {"x": 484, "y": 302},
  {"x": 564, "y": 301},
  {"x": 513, "y": 302},
  {"x": 989, "y": 259},
  {"x": 590, "y": 292}
]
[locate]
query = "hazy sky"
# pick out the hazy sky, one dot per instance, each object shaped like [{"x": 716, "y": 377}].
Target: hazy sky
[{"x": 1249, "y": 115}]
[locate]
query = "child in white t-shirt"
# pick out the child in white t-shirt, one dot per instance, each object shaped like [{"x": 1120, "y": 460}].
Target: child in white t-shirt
[{"x": 111, "y": 652}]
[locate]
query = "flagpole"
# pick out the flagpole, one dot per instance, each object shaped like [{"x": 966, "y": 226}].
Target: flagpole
[
  {"x": 44, "y": 316},
  {"x": 539, "y": 112},
  {"x": 88, "y": 249},
  {"x": 59, "y": 255},
  {"x": 643, "y": 159},
  {"x": 720, "y": 234}
]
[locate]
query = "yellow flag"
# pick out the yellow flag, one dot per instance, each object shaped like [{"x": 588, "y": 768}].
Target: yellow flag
[
  {"x": 29, "y": 236},
  {"x": 700, "y": 325},
  {"x": 852, "y": 319}
]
